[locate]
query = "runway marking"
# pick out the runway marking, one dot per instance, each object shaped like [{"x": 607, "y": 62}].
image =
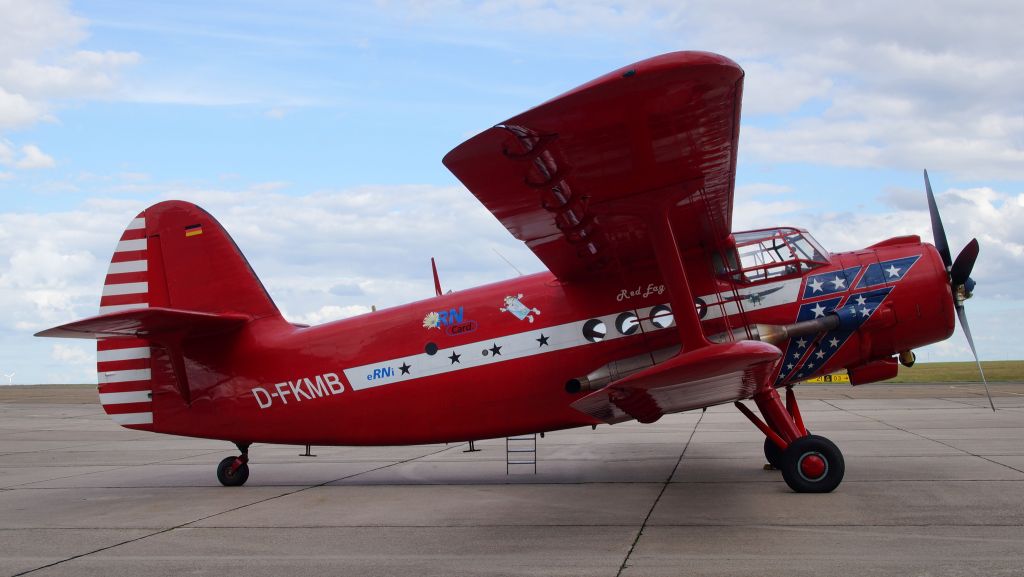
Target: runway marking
[
  {"x": 664, "y": 487},
  {"x": 982, "y": 394},
  {"x": 182, "y": 525},
  {"x": 937, "y": 441}
]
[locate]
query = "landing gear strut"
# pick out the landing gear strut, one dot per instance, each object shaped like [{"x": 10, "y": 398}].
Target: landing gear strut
[
  {"x": 809, "y": 463},
  {"x": 234, "y": 471}
]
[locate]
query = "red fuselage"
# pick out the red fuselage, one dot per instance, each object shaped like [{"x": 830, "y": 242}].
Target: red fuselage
[{"x": 495, "y": 360}]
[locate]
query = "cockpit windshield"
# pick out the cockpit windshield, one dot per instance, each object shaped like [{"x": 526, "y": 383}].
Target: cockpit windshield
[{"x": 773, "y": 253}]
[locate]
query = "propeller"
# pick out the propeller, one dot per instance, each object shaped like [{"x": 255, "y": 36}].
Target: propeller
[{"x": 959, "y": 270}]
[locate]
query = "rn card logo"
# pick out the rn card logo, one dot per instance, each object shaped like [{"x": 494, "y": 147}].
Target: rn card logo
[
  {"x": 515, "y": 306},
  {"x": 380, "y": 373},
  {"x": 452, "y": 321}
]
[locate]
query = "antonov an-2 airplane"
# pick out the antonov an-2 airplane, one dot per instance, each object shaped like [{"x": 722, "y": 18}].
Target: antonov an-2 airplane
[{"x": 653, "y": 305}]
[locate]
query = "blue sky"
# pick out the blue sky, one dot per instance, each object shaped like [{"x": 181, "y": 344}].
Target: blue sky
[{"x": 314, "y": 132}]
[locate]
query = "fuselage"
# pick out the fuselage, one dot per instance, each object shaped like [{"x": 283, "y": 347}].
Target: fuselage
[{"x": 499, "y": 360}]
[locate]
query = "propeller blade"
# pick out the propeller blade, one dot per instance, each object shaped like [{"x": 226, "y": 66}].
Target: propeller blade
[
  {"x": 962, "y": 315},
  {"x": 938, "y": 233},
  {"x": 964, "y": 263}
]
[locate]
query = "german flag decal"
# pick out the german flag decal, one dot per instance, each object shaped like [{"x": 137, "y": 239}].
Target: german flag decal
[{"x": 193, "y": 230}]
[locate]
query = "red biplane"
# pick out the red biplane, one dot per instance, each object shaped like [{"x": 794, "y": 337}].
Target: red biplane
[{"x": 653, "y": 305}]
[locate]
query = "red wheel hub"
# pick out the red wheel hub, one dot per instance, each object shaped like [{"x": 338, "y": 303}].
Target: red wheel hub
[{"x": 812, "y": 466}]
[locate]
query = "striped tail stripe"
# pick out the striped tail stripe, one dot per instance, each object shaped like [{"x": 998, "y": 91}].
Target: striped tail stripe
[
  {"x": 124, "y": 365},
  {"x": 127, "y": 284}
]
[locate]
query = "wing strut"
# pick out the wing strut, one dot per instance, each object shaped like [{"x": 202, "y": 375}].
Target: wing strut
[{"x": 670, "y": 261}]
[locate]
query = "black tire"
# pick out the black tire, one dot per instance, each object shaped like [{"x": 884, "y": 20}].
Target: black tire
[
  {"x": 794, "y": 470},
  {"x": 772, "y": 453},
  {"x": 228, "y": 479}
]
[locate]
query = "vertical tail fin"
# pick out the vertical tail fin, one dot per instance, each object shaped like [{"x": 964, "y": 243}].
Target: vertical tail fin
[
  {"x": 175, "y": 255},
  {"x": 172, "y": 255}
]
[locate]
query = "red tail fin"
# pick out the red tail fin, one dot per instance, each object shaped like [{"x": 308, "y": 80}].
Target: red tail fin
[
  {"x": 175, "y": 271},
  {"x": 175, "y": 255}
]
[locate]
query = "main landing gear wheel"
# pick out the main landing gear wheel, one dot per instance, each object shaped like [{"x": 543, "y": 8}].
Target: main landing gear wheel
[
  {"x": 233, "y": 471},
  {"x": 812, "y": 464}
]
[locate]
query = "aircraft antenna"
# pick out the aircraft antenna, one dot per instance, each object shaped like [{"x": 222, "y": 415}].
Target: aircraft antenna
[
  {"x": 437, "y": 281},
  {"x": 508, "y": 261}
]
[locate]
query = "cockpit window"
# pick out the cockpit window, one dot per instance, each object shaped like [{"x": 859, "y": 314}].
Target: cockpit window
[{"x": 771, "y": 254}]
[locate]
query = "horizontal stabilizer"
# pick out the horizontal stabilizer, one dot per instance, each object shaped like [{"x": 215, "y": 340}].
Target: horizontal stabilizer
[
  {"x": 147, "y": 323},
  {"x": 696, "y": 379}
]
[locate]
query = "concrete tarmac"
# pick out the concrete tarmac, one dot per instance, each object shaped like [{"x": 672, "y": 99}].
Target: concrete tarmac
[{"x": 934, "y": 486}]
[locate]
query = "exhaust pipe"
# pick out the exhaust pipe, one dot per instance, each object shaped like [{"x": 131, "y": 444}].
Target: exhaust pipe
[
  {"x": 773, "y": 334},
  {"x": 615, "y": 370}
]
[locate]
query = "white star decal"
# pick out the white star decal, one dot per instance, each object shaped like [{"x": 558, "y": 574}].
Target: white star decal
[
  {"x": 801, "y": 343},
  {"x": 790, "y": 366},
  {"x": 893, "y": 271},
  {"x": 819, "y": 311},
  {"x": 809, "y": 366},
  {"x": 865, "y": 311},
  {"x": 838, "y": 283},
  {"x": 834, "y": 342},
  {"x": 815, "y": 285},
  {"x": 861, "y": 300},
  {"x": 796, "y": 355},
  {"x": 820, "y": 354}
]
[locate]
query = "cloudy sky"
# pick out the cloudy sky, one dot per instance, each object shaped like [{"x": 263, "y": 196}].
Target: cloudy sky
[{"x": 315, "y": 132}]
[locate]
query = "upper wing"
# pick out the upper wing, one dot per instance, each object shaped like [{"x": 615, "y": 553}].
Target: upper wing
[{"x": 568, "y": 176}]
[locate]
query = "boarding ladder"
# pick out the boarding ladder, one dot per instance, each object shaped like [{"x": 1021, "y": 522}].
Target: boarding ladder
[{"x": 521, "y": 450}]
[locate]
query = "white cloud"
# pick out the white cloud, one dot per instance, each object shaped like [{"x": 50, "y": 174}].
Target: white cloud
[
  {"x": 838, "y": 86},
  {"x": 17, "y": 111},
  {"x": 869, "y": 84},
  {"x": 321, "y": 256},
  {"x": 32, "y": 157},
  {"x": 73, "y": 361},
  {"x": 332, "y": 255},
  {"x": 83, "y": 73},
  {"x": 33, "y": 28},
  {"x": 894, "y": 91},
  {"x": 73, "y": 354},
  {"x": 327, "y": 313},
  {"x": 771, "y": 88},
  {"x": 39, "y": 64},
  {"x": 981, "y": 213}
]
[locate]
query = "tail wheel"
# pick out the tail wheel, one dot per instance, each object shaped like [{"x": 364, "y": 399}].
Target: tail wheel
[
  {"x": 813, "y": 464},
  {"x": 231, "y": 476}
]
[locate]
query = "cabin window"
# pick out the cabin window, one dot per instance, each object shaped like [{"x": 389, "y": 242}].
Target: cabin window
[{"x": 772, "y": 254}]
